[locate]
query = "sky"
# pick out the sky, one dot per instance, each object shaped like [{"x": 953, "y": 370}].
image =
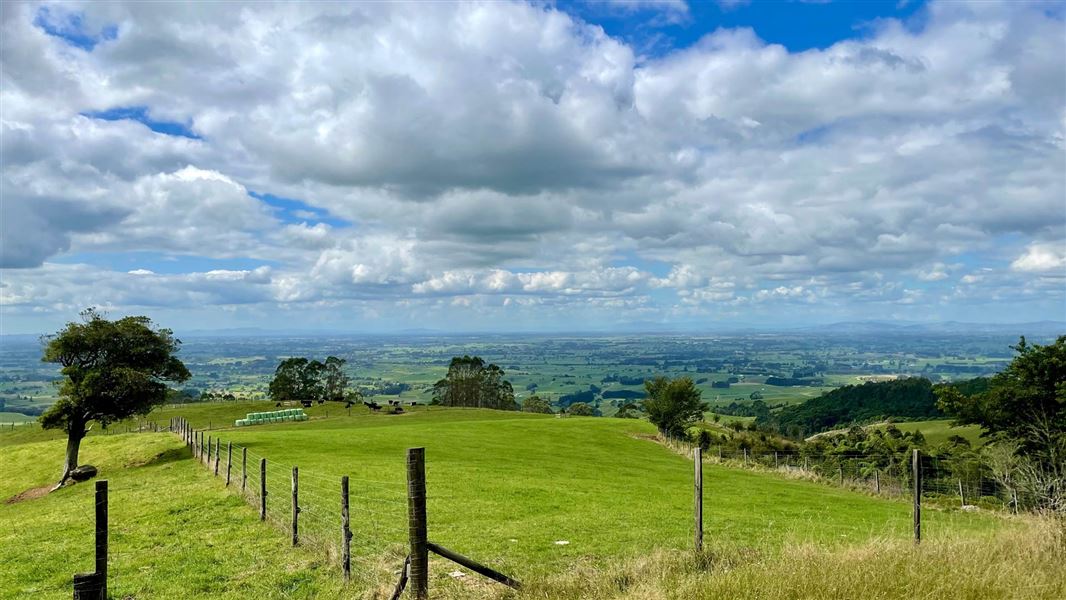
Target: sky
[{"x": 513, "y": 166}]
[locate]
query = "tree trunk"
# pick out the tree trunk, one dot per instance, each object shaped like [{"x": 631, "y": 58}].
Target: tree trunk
[{"x": 74, "y": 437}]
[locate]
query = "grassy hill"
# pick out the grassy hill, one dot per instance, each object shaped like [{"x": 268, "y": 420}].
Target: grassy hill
[{"x": 503, "y": 488}]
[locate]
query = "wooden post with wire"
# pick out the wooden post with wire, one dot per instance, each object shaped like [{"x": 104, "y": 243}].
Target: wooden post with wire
[
  {"x": 877, "y": 481},
  {"x": 262, "y": 489},
  {"x": 775, "y": 460},
  {"x": 698, "y": 496},
  {"x": 93, "y": 586},
  {"x": 416, "y": 522},
  {"x": 218, "y": 453},
  {"x": 295, "y": 505},
  {"x": 916, "y": 467},
  {"x": 346, "y": 532},
  {"x": 244, "y": 469},
  {"x": 962, "y": 495},
  {"x": 229, "y": 461}
]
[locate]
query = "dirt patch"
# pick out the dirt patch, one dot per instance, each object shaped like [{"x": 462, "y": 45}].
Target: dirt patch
[{"x": 29, "y": 494}]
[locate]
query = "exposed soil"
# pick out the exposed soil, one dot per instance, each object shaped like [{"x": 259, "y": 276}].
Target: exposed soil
[{"x": 29, "y": 494}]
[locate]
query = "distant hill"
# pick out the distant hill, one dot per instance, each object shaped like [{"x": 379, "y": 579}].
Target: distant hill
[
  {"x": 910, "y": 398},
  {"x": 858, "y": 327}
]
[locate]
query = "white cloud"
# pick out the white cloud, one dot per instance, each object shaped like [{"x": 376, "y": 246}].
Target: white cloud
[
  {"x": 1039, "y": 258},
  {"x": 508, "y": 150}
]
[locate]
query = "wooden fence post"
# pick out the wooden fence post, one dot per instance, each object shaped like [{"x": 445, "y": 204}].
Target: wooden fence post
[
  {"x": 295, "y": 505},
  {"x": 416, "y": 522},
  {"x": 962, "y": 495},
  {"x": 877, "y": 481},
  {"x": 698, "y": 490},
  {"x": 229, "y": 461},
  {"x": 804, "y": 463},
  {"x": 262, "y": 489},
  {"x": 218, "y": 453},
  {"x": 101, "y": 534},
  {"x": 841, "y": 474},
  {"x": 346, "y": 532},
  {"x": 775, "y": 459},
  {"x": 244, "y": 469},
  {"x": 916, "y": 467},
  {"x": 745, "y": 456}
]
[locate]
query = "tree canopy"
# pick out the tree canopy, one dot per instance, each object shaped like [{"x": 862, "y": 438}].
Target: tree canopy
[
  {"x": 472, "y": 383},
  {"x": 536, "y": 404},
  {"x": 673, "y": 405},
  {"x": 1024, "y": 404},
  {"x": 303, "y": 379},
  {"x": 910, "y": 397},
  {"x": 112, "y": 370},
  {"x": 580, "y": 409}
]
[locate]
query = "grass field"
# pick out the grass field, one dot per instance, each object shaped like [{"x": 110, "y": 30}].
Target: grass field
[
  {"x": 503, "y": 488},
  {"x": 938, "y": 431},
  {"x": 6, "y": 418}
]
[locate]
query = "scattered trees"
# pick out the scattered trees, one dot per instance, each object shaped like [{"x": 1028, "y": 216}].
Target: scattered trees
[
  {"x": 472, "y": 383},
  {"x": 112, "y": 370},
  {"x": 673, "y": 405}
]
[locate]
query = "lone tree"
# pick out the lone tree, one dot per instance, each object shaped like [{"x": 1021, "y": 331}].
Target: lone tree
[
  {"x": 673, "y": 405},
  {"x": 112, "y": 370},
  {"x": 536, "y": 404},
  {"x": 580, "y": 409},
  {"x": 470, "y": 382}
]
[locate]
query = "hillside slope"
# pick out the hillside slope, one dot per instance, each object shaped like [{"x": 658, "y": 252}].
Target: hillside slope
[
  {"x": 910, "y": 398},
  {"x": 503, "y": 488}
]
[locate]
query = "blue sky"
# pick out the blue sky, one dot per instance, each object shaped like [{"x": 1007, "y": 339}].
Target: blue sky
[{"x": 512, "y": 165}]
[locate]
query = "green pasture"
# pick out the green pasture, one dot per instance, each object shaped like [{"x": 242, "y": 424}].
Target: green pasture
[{"x": 504, "y": 488}]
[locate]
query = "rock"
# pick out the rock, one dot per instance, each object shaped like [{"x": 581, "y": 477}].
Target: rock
[{"x": 83, "y": 473}]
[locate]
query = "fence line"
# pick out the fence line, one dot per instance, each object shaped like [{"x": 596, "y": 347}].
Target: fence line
[{"x": 315, "y": 507}]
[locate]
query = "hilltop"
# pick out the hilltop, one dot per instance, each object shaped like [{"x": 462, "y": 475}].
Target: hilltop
[{"x": 505, "y": 488}]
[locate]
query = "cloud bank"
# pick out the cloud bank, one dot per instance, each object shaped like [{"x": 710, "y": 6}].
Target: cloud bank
[{"x": 469, "y": 165}]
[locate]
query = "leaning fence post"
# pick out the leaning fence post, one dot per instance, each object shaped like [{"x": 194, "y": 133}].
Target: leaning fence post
[
  {"x": 698, "y": 490},
  {"x": 262, "y": 489},
  {"x": 295, "y": 505},
  {"x": 416, "y": 522},
  {"x": 962, "y": 495},
  {"x": 229, "y": 460},
  {"x": 916, "y": 467},
  {"x": 346, "y": 532}
]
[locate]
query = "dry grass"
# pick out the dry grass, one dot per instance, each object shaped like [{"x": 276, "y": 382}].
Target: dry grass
[{"x": 1026, "y": 562}]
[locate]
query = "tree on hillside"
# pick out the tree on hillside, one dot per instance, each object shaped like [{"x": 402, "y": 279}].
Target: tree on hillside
[
  {"x": 296, "y": 379},
  {"x": 112, "y": 370},
  {"x": 1025, "y": 405},
  {"x": 536, "y": 404},
  {"x": 580, "y": 409},
  {"x": 673, "y": 405},
  {"x": 472, "y": 383},
  {"x": 335, "y": 381}
]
